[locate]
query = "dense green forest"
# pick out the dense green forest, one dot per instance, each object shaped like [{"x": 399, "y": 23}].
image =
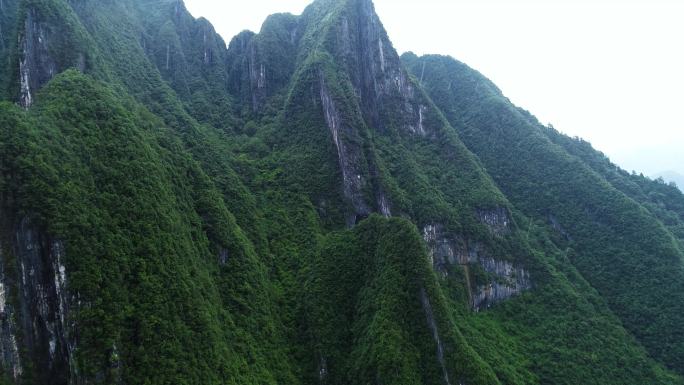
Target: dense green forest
[
  {"x": 617, "y": 223},
  {"x": 304, "y": 206}
]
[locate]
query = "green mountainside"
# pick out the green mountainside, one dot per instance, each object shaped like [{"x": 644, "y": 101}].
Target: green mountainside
[
  {"x": 303, "y": 206},
  {"x": 617, "y": 224}
]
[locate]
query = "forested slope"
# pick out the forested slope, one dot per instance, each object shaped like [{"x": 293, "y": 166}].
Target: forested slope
[
  {"x": 620, "y": 246},
  {"x": 295, "y": 207}
]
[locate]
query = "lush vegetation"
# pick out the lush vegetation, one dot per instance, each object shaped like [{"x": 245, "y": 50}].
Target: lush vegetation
[
  {"x": 611, "y": 222},
  {"x": 144, "y": 228},
  {"x": 213, "y": 235}
]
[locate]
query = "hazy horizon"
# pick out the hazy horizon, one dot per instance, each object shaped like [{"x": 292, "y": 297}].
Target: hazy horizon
[{"x": 607, "y": 71}]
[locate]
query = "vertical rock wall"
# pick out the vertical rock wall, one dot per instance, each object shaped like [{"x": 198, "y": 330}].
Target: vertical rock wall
[
  {"x": 387, "y": 94},
  {"x": 349, "y": 156},
  {"x": 506, "y": 279},
  {"x": 38, "y": 63},
  {"x": 9, "y": 350},
  {"x": 496, "y": 219},
  {"x": 36, "y": 66},
  {"x": 35, "y": 306}
]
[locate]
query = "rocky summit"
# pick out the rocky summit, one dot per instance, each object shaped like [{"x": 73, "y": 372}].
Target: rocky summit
[{"x": 304, "y": 206}]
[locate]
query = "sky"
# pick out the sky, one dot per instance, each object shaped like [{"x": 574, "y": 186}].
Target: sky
[{"x": 608, "y": 71}]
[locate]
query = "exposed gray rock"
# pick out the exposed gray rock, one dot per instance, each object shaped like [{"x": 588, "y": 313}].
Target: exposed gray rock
[
  {"x": 496, "y": 219},
  {"x": 178, "y": 9},
  {"x": 256, "y": 69},
  {"x": 384, "y": 205},
  {"x": 509, "y": 281},
  {"x": 168, "y": 56},
  {"x": 322, "y": 370},
  {"x": 349, "y": 156},
  {"x": 447, "y": 250},
  {"x": 257, "y": 78},
  {"x": 9, "y": 351},
  {"x": 36, "y": 66},
  {"x": 376, "y": 72},
  {"x": 257, "y": 72},
  {"x": 240, "y": 58},
  {"x": 3, "y": 46},
  {"x": 44, "y": 303},
  {"x": 208, "y": 52},
  {"x": 223, "y": 257},
  {"x": 420, "y": 128}
]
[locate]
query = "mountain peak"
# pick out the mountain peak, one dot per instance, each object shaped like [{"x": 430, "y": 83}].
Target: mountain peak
[
  {"x": 357, "y": 40},
  {"x": 304, "y": 207}
]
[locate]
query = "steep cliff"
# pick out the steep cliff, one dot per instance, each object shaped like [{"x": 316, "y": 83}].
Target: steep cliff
[
  {"x": 50, "y": 40},
  {"x": 297, "y": 208}
]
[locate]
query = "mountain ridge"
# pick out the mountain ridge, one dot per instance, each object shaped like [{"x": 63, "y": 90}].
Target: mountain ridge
[
  {"x": 671, "y": 176},
  {"x": 299, "y": 207}
]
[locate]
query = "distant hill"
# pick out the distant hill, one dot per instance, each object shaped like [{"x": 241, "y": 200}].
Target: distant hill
[{"x": 672, "y": 176}]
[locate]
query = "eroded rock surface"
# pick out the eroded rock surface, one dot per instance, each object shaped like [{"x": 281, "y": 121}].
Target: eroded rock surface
[
  {"x": 504, "y": 278},
  {"x": 9, "y": 351},
  {"x": 348, "y": 155},
  {"x": 36, "y": 66},
  {"x": 35, "y": 306},
  {"x": 496, "y": 219},
  {"x": 45, "y": 49},
  {"x": 386, "y": 92},
  {"x": 508, "y": 280}
]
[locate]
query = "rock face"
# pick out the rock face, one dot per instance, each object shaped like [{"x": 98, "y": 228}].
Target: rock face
[
  {"x": 504, "y": 279},
  {"x": 349, "y": 156},
  {"x": 34, "y": 305},
  {"x": 508, "y": 280},
  {"x": 48, "y": 44},
  {"x": 387, "y": 95},
  {"x": 448, "y": 251},
  {"x": 261, "y": 65},
  {"x": 240, "y": 50},
  {"x": 383, "y": 203},
  {"x": 9, "y": 351},
  {"x": 497, "y": 220},
  {"x": 36, "y": 66}
]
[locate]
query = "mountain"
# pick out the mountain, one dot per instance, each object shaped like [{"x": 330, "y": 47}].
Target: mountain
[
  {"x": 573, "y": 189},
  {"x": 672, "y": 176},
  {"x": 304, "y": 206}
]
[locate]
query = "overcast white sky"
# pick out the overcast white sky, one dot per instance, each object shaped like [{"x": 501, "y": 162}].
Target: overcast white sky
[{"x": 609, "y": 71}]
